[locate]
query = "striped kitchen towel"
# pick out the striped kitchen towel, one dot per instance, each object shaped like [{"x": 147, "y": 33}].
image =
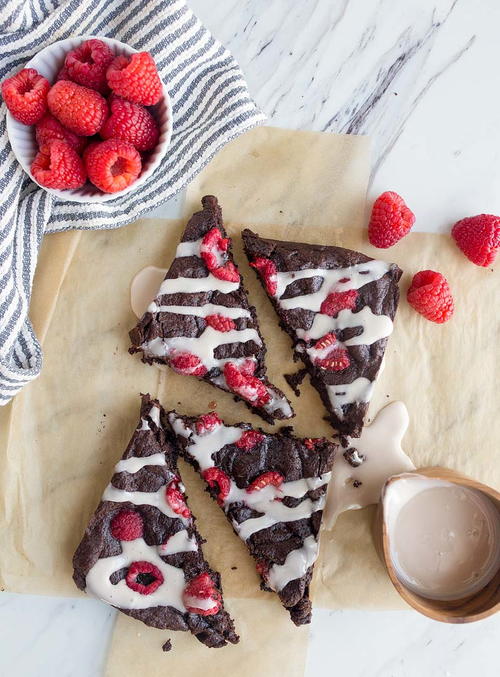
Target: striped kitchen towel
[{"x": 211, "y": 105}]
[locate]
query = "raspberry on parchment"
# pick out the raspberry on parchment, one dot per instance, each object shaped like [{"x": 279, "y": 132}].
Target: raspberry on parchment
[
  {"x": 430, "y": 295},
  {"x": 390, "y": 220}
]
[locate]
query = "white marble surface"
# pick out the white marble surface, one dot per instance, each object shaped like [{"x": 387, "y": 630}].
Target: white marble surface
[{"x": 420, "y": 77}]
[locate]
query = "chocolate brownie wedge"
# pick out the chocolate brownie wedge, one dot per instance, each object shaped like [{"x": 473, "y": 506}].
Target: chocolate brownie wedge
[
  {"x": 141, "y": 551},
  {"x": 338, "y": 306},
  {"x": 272, "y": 489},
  {"x": 201, "y": 323}
]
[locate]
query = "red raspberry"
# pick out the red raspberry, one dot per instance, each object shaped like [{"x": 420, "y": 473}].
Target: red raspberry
[
  {"x": 176, "y": 500},
  {"x": 271, "y": 477},
  {"x": 207, "y": 423},
  {"x": 57, "y": 165},
  {"x": 127, "y": 525},
  {"x": 198, "y": 592},
  {"x": 113, "y": 165},
  {"x": 82, "y": 110},
  {"x": 186, "y": 363},
  {"x": 49, "y": 129},
  {"x": 249, "y": 439},
  {"x": 249, "y": 388},
  {"x": 429, "y": 294},
  {"x": 336, "y": 358},
  {"x": 143, "y": 577},
  {"x": 215, "y": 476},
  {"x": 130, "y": 122},
  {"x": 220, "y": 323},
  {"x": 311, "y": 442},
  {"x": 135, "y": 78},
  {"x": 262, "y": 569},
  {"x": 25, "y": 95},
  {"x": 337, "y": 301},
  {"x": 213, "y": 252},
  {"x": 267, "y": 270},
  {"x": 478, "y": 237},
  {"x": 391, "y": 220},
  {"x": 63, "y": 74},
  {"x": 87, "y": 64}
]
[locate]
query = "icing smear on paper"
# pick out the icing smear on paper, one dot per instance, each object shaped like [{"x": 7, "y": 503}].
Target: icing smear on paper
[{"x": 363, "y": 464}]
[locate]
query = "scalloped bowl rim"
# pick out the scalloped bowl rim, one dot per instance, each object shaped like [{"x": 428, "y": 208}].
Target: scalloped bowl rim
[{"x": 75, "y": 195}]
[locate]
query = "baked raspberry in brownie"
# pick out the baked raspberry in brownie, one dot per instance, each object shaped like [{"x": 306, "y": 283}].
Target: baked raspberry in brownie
[
  {"x": 272, "y": 489},
  {"x": 141, "y": 551},
  {"x": 201, "y": 323},
  {"x": 338, "y": 306}
]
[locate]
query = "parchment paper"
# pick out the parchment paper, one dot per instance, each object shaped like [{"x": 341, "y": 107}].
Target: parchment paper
[{"x": 70, "y": 426}]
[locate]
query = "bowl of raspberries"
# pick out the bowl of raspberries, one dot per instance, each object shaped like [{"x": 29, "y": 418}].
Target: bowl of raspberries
[{"x": 89, "y": 118}]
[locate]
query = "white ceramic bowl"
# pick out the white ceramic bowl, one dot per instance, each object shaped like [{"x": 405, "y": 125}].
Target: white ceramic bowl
[{"x": 48, "y": 62}]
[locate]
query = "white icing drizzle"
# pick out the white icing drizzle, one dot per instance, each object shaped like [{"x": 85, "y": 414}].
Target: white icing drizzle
[
  {"x": 201, "y": 311},
  {"x": 169, "y": 593},
  {"x": 202, "y": 346},
  {"x": 375, "y": 327},
  {"x": 295, "y": 565},
  {"x": 155, "y": 498},
  {"x": 191, "y": 285},
  {"x": 331, "y": 282},
  {"x": 202, "y": 447},
  {"x": 380, "y": 444},
  {"x": 360, "y": 390},
  {"x": 154, "y": 414},
  {"x": 136, "y": 463},
  {"x": 191, "y": 248},
  {"x": 144, "y": 425},
  {"x": 178, "y": 542}
]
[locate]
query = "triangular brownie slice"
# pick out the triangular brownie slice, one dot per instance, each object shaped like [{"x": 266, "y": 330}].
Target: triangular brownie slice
[
  {"x": 201, "y": 323},
  {"x": 141, "y": 551},
  {"x": 272, "y": 489},
  {"x": 337, "y": 305}
]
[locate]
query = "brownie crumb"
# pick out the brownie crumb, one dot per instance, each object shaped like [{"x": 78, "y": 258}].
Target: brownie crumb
[
  {"x": 234, "y": 568},
  {"x": 167, "y": 646},
  {"x": 353, "y": 457},
  {"x": 356, "y": 484},
  {"x": 294, "y": 380}
]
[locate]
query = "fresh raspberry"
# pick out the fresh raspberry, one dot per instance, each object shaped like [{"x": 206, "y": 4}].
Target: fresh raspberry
[
  {"x": 478, "y": 237},
  {"x": 113, "y": 165},
  {"x": 334, "y": 357},
  {"x": 48, "y": 129},
  {"x": 135, "y": 78},
  {"x": 220, "y": 323},
  {"x": 25, "y": 95},
  {"x": 271, "y": 477},
  {"x": 249, "y": 439},
  {"x": 247, "y": 368},
  {"x": 82, "y": 110},
  {"x": 143, "y": 577},
  {"x": 391, "y": 220},
  {"x": 267, "y": 270},
  {"x": 198, "y": 594},
  {"x": 337, "y": 301},
  {"x": 429, "y": 294},
  {"x": 311, "y": 442},
  {"x": 213, "y": 252},
  {"x": 87, "y": 64},
  {"x": 186, "y": 363},
  {"x": 207, "y": 423},
  {"x": 130, "y": 122},
  {"x": 176, "y": 500},
  {"x": 216, "y": 477},
  {"x": 127, "y": 525},
  {"x": 250, "y": 388},
  {"x": 59, "y": 166},
  {"x": 63, "y": 74}
]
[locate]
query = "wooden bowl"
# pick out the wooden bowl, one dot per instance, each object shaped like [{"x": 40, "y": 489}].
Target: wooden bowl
[{"x": 482, "y": 604}]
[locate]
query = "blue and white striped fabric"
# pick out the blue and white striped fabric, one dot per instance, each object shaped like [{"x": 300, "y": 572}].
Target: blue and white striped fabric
[{"x": 211, "y": 105}]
